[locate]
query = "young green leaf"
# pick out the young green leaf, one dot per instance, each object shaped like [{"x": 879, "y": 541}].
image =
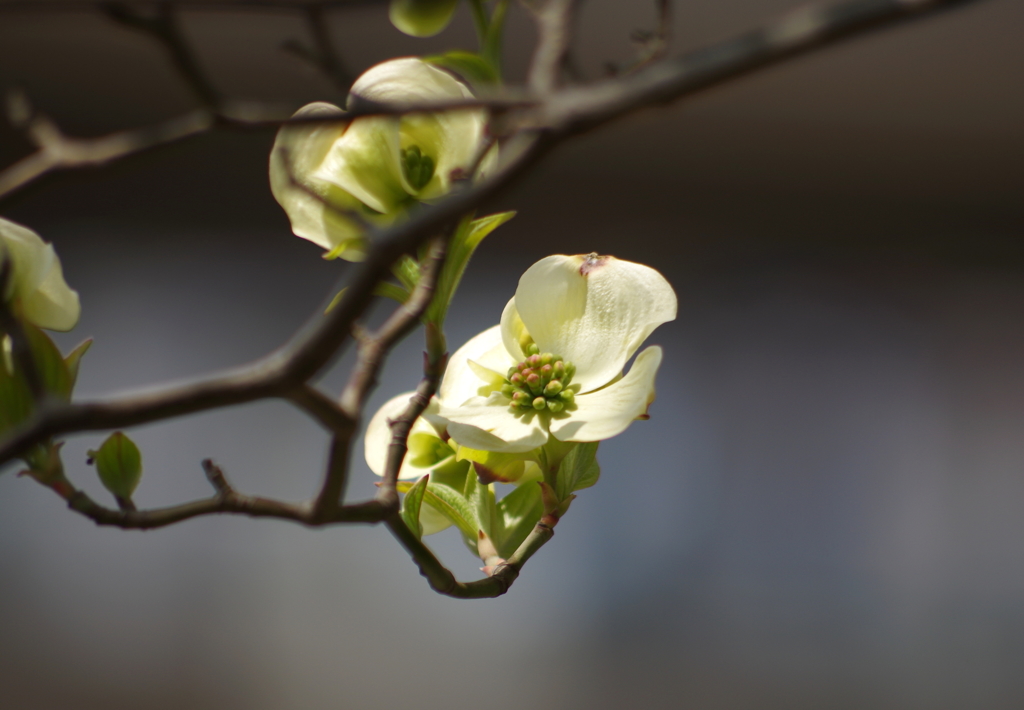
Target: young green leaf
[
  {"x": 451, "y": 504},
  {"x": 471, "y": 67},
  {"x": 520, "y": 511},
  {"x": 74, "y": 358},
  {"x": 411, "y": 506},
  {"x": 119, "y": 465},
  {"x": 579, "y": 469},
  {"x": 466, "y": 239}
]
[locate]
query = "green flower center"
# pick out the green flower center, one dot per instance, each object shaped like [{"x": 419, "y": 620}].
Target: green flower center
[
  {"x": 418, "y": 168},
  {"x": 541, "y": 382},
  {"x": 427, "y": 450}
]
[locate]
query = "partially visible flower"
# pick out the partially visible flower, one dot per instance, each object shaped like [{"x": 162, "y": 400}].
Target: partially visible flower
[
  {"x": 376, "y": 166},
  {"x": 36, "y": 288},
  {"x": 554, "y": 365},
  {"x": 422, "y": 18},
  {"x": 429, "y": 452}
]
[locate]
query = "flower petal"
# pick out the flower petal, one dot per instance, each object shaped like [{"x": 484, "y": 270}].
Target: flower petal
[
  {"x": 513, "y": 332},
  {"x": 607, "y": 412},
  {"x": 490, "y": 425},
  {"x": 365, "y": 162},
  {"x": 378, "y": 436},
  {"x": 298, "y": 152},
  {"x": 450, "y": 138},
  {"x": 37, "y": 279},
  {"x": 460, "y": 382},
  {"x": 593, "y": 311},
  {"x": 406, "y": 80}
]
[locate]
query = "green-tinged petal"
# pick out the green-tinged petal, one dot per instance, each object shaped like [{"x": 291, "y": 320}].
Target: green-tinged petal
[
  {"x": 422, "y": 18},
  {"x": 607, "y": 412},
  {"x": 299, "y": 151},
  {"x": 491, "y": 466},
  {"x": 365, "y": 162},
  {"x": 489, "y": 424},
  {"x": 513, "y": 332},
  {"x": 593, "y": 311},
  {"x": 422, "y": 435},
  {"x": 460, "y": 382},
  {"x": 37, "y": 279},
  {"x": 407, "y": 80}
]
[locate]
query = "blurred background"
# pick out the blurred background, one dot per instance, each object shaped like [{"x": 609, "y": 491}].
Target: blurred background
[{"x": 823, "y": 512}]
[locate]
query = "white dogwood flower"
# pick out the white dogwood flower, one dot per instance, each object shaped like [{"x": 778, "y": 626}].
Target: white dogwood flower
[
  {"x": 428, "y": 452},
  {"x": 36, "y": 285},
  {"x": 376, "y": 166},
  {"x": 554, "y": 365}
]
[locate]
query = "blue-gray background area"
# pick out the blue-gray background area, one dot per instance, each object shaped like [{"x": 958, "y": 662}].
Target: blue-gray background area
[{"x": 824, "y": 511}]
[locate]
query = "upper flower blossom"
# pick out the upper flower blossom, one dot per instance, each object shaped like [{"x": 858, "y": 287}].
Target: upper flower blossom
[
  {"x": 554, "y": 365},
  {"x": 375, "y": 165},
  {"x": 37, "y": 287}
]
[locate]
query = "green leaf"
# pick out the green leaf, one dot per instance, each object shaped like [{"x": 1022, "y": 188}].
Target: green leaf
[
  {"x": 49, "y": 362},
  {"x": 411, "y": 506},
  {"x": 473, "y": 68},
  {"x": 74, "y": 358},
  {"x": 451, "y": 504},
  {"x": 482, "y": 498},
  {"x": 520, "y": 511},
  {"x": 467, "y": 238},
  {"x": 119, "y": 465},
  {"x": 15, "y": 399},
  {"x": 579, "y": 470}
]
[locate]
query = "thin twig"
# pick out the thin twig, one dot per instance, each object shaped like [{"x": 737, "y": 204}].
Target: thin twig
[
  {"x": 164, "y": 27},
  {"x": 59, "y": 152},
  {"x": 443, "y": 581},
  {"x": 554, "y": 20}
]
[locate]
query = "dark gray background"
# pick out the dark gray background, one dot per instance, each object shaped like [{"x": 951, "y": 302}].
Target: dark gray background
[{"x": 823, "y": 512}]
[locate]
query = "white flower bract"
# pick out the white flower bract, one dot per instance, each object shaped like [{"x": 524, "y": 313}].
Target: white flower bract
[
  {"x": 427, "y": 451},
  {"x": 593, "y": 311},
  {"x": 37, "y": 285},
  {"x": 376, "y": 166}
]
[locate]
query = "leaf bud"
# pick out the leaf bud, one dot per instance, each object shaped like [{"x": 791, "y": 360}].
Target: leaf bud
[{"x": 119, "y": 465}]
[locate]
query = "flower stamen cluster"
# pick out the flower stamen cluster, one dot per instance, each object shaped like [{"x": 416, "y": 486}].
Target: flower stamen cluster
[
  {"x": 541, "y": 381},
  {"x": 418, "y": 167}
]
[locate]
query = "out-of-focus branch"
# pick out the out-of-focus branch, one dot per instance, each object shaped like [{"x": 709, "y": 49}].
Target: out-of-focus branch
[
  {"x": 554, "y": 19},
  {"x": 323, "y": 55},
  {"x": 55, "y": 151},
  {"x": 654, "y": 45},
  {"x": 162, "y": 25}
]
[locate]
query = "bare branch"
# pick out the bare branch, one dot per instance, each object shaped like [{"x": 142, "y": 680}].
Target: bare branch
[
  {"x": 443, "y": 581},
  {"x": 323, "y": 55},
  {"x": 163, "y": 26},
  {"x": 59, "y": 152},
  {"x": 554, "y": 20}
]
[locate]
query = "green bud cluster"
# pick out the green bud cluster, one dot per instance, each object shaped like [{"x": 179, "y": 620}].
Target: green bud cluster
[
  {"x": 419, "y": 168},
  {"x": 541, "y": 382}
]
